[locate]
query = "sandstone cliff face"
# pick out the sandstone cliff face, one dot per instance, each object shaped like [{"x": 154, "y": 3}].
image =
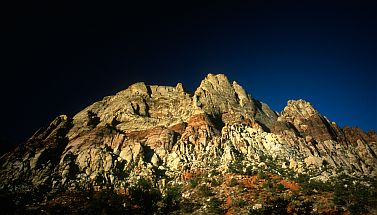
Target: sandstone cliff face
[{"x": 162, "y": 133}]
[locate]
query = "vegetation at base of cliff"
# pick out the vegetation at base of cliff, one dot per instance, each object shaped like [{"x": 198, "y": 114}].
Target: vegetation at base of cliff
[
  {"x": 354, "y": 195},
  {"x": 260, "y": 193},
  {"x": 310, "y": 186}
]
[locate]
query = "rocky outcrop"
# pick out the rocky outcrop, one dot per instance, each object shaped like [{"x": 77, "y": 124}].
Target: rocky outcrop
[
  {"x": 340, "y": 148},
  {"x": 308, "y": 121},
  {"x": 34, "y": 163},
  {"x": 162, "y": 133}
]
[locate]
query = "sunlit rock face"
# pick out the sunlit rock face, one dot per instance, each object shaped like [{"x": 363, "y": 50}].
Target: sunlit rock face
[{"x": 163, "y": 133}]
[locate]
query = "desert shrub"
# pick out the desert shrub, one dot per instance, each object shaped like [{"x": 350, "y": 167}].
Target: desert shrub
[
  {"x": 233, "y": 182},
  {"x": 348, "y": 192},
  {"x": 262, "y": 174},
  {"x": 215, "y": 172},
  {"x": 280, "y": 206},
  {"x": 242, "y": 187},
  {"x": 145, "y": 195},
  {"x": 309, "y": 185},
  {"x": 193, "y": 182},
  {"x": 277, "y": 207},
  {"x": 301, "y": 207},
  {"x": 205, "y": 190},
  {"x": 319, "y": 185},
  {"x": 105, "y": 201},
  {"x": 214, "y": 206},
  {"x": 239, "y": 203},
  {"x": 249, "y": 171},
  {"x": 171, "y": 200},
  {"x": 356, "y": 197},
  {"x": 186, "y": 206},
  {"x": 236, "y": 167},
  {"x": 216, "y": 182},
  {"x": 268, "y": 185},
  {"x": 280, "y": 187}
]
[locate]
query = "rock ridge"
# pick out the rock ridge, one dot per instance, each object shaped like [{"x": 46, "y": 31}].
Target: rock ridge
[{"x": 162, "y": 133}]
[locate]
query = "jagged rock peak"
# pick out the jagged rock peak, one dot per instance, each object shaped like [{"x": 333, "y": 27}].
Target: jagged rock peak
[
  {"x": 300, "y": 108},
  {"x": 309, "y": 122},
  {"x": 217, "y": 96},
  {"x": 220, "y": 83},
  {"x": 138, "y": 89}
]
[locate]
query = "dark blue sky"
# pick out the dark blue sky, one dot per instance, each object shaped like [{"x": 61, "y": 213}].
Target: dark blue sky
[{"x": 58, "y": 58}]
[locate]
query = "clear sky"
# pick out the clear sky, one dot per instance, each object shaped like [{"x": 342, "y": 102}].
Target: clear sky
[{"x": 58, "y": 58}]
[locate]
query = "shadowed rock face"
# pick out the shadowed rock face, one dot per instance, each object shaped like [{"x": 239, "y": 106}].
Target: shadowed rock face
[
  {"x": 159, "y": 132},
  {"x": 308, "y": 121}
]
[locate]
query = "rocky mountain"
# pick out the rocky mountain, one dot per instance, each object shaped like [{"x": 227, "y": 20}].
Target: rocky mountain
[{"x": 159, "y": 150}]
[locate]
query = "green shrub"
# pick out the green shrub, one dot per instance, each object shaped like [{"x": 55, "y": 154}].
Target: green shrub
[
  {"x": 262, "y": 174},
  {"x": 193, "y": 182},
  {"x": 280, "y": 187},
  {"x": 171, "y": 200},
  {"x": 145, "y": 195},
  {"x": 355, "y": 196},
  {"x": 249, "y": 171},
  {"x": 216, "y": 182},
  {"x": 233, "y": 182},
  {"x": 268, "y": 185},
  {"x": 236, "y": 167},
  {"x": 106, "y": 200},
  {"x": 186, "y": 206},
  {"x": 239, "y": 203},
  {"x": 309, "y": 185},
  {"x": 214, "y": 206},
  {"x": 205, "y": 190},
  {"x": 278, "y": 207},
  {"x": 214, "y": 172}
]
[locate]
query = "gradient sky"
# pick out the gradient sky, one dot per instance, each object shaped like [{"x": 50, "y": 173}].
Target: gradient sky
[{"x": 58, "y": 58}]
